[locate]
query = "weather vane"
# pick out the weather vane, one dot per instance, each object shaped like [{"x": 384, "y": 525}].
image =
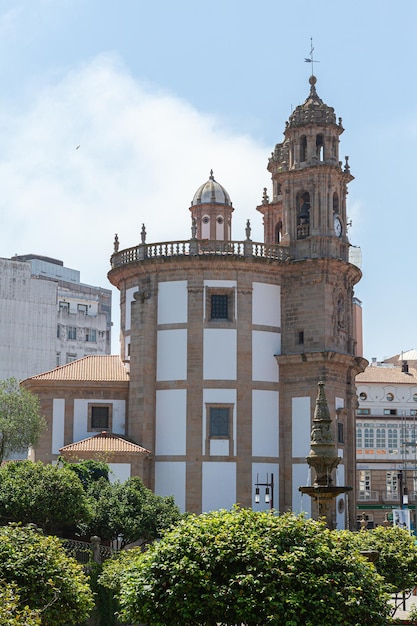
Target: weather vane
[{"x": 311, "y": 59}]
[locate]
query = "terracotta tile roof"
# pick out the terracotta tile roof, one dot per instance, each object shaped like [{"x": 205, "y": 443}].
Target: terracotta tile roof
[
  {"x": 109, "y": 368},
  {"x": 104, "y": 442},
  {"x": 389, "y": 375}
]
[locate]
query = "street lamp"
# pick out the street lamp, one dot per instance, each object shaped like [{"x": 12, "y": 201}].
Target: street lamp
[{"x": 269, "y": 495}]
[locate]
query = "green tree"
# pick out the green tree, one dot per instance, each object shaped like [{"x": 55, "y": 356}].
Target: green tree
[
  {"x": 46, "y": 495},
  {"x": 46, "y": 579},
  {"x": 11, "y": 611},
  {"x": 87, "y": 471},
  {"x": 20, "y": 421},
  {"x": 246, "y": 567},
  {"x": 397, "y": 559},
  {"x": 129, "y": 511}
]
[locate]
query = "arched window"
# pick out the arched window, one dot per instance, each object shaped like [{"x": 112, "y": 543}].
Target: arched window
[
  {"x": 303, "y": 215},
  {"x": 320, "y": 147},
  {"x": 335, "y": 202},
  {"x": 303, "y": 148},
  {"x": 278, "y": 232}
]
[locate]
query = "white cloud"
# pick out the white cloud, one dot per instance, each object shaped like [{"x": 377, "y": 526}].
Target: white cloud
[{"x": 142, "y": 155}]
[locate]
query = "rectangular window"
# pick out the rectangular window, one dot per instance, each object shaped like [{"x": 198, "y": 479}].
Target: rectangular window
[
  {"x": 380, "y": 437},
  {"x": 413, "y": 412},
  {"x": 58, "y": 358},
  {"x": 90, "y": 334},
  {"x": 369, "y": 441},
  {"x": 393, "y": 440},
  {"x": 365, "y": 482},
  {"x": 340, "y": 433},
  {"x": 71, "y": 357},
  {"x": 82, "y": 308},
  {"x": 390, "y": 411},
  {"x": 219, "y": 307},
  {"x": 64, "y": 306},
  {"x": 58, "y": 331},
  {"x": 359, "y": 438},
  {"x": 100, "y": 417},
  {"x": 219, "y": 422},
  {"x": 72, "y": 333},
  {"x": 301, "y": 337},
  {"x": 392, "y": 485},
  {"x": 363, "y": 411}
]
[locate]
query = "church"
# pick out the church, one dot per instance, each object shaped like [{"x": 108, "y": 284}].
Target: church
[{"x": 224, "y": 341}]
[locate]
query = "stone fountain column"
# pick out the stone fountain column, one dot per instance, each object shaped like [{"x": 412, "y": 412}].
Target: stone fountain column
[{"x": 323, "y": 459}]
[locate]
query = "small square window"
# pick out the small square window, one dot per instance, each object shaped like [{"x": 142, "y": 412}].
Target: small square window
[
  {"x": 82, "y": 308},
  {"x": 219, "y": 421},
  {"x": 100, "y": 417},
  {"x": 219, "y": 308},
  {"x": 64, "y": 306}
]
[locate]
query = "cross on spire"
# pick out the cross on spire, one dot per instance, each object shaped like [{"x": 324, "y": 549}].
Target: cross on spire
[{"x": 311, "y": 59}]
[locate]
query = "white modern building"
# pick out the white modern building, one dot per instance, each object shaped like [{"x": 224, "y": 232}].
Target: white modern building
[{"x": 48, "y": 317}]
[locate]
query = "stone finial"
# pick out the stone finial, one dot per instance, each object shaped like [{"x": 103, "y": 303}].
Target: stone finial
[
  {"x": 347, "y": 166},
  {"x": 265, "y": 197},
  {"x": 248, "y": 230},
  {"x": 116, "y": 244},
  {"x": 143, "y": 234},
  {"x": 323, "y": 453}
]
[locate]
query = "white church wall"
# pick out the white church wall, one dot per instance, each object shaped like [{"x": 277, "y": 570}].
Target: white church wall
[
  {"x": 170, "y": 481},
  {"x": 219, "y": 485},
  {"x": 265, "y": 423},
  {"x": 58, "y": 423},
  {"x": 171, "y": 354},
  {"x": 265, "y": 345},
  {"x": 301, "y": 503},
  {"x": 171, "y": 421},
  {"x": 220, "y": 355},
  {"x": 266, "y": 304},
  {"x": 172, "y": 302},
  {"x": 301, "y": 426},
  {"x": 119, "y": 472}
]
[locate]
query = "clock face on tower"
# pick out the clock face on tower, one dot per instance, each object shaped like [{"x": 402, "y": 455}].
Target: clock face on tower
[{"x": 337, "y": 222}]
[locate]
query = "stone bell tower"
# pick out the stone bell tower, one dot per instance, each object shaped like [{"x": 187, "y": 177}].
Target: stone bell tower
[{"x": 307, "y": 215}]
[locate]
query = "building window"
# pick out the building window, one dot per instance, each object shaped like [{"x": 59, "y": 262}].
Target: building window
[
  {"x": 369, "y": 438},
  {"x": 90, "y": 334},
  {"x": 58, "y": 331},
  {"x": 393, "y": 440},
  {"x": 72, "y": 333},
  {"x": 219, "y": 309},
  {"x": 390, "y": 411},
  {"x": 220, "y": 305},
  {"x": 82, "y": 308},
  {"x": 219, "y": 422},
  {"x": 413, "y": 412},
  {"x": 365, "y": 484},
  {"x": 380, "y": 437},
  {"x": 392, "y": 485},
  {"x": 390, "y": 397},
  {"x": 363, "y": 411},
  {"x": 99, "y": 416},
  {"x": 362, "y": 396},
  {"x": 359, "y": 438},
  {"x": 71, "y": 357},
  {"x": 340, "y": 433},
  {"x": 300, "y": 337},
  {"x": 64, "y": 306},
  {"x": 58, "y": 358}
]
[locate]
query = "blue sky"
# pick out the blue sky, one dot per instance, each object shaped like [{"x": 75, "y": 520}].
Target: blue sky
[{"x": 157, "y": 92}]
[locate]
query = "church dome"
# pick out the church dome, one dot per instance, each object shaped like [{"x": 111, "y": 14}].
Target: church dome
[
  {"x": 313, "y": 111},
  {"x": 211, "y": 192}
]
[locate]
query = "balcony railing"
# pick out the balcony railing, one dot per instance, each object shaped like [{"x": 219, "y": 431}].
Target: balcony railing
[{"x": 198, "y": 248}]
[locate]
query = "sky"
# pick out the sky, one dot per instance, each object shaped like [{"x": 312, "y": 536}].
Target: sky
[{"x": 113, "y": 113}]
